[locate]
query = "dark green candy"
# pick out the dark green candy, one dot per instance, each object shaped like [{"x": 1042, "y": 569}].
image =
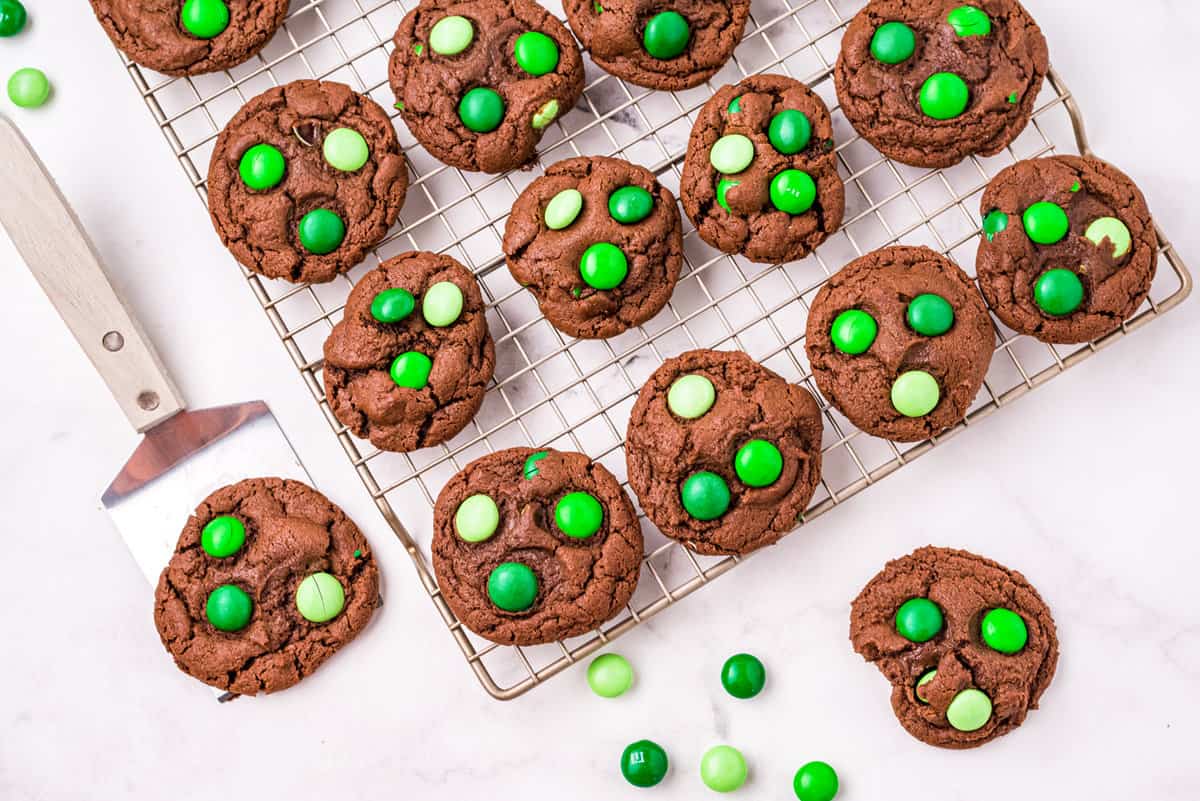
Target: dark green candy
[
  {"x": 853, "y": 331},
  {"x": 411, "y": 370},
  {"x": 735, "y": 105},
  {"x": 12, "y": 17},
  {"x": 723, "y": 187},
  {"x": 944, "y": 96},
  {"x": 204, "y": 19},
  {"x": 262, "y": 167},
  {"x": 969, "y": 21},
  {"x": 893, "y": 42},
  {"x": 603, "y": 266},
  {"x": 223, "y": 536},
  {"x": 705, "y": 495},
  {"x": 930, "y": 315},
  {"x": 393, "y": 305},
  {"x": 1058, "y": 292},
  {"x": 789, "y": 131},
  {"x": 743, "y": 676},
  {"x": 228, "y": 608},
  {"x": 481, "y": 109},
  {"x": 793, "y": 191},
  {"x": 321, "y": 231},
  {"x": 536, "y": 53},
  {"x": 578, "y": 515},
  {"x": 1045, "y": 223},
  {"x": 531, "y": 469},
  {"x": 666, "y": 35},
  {"x": 644, "y": 763},
  {"x": 512, "y": 586},
  {"x": 994, "y": 222},
  {"x": 630, "y": 204},
  {"x": 918, "y": 620}
]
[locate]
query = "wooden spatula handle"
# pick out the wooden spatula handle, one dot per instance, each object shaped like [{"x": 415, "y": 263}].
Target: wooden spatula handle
[{"x": 62, "y": 258}]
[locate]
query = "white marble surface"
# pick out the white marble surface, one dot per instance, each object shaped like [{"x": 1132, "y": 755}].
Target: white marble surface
[{"x": 1087, "y": 486}]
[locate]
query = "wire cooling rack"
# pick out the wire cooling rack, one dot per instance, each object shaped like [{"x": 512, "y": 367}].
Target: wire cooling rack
[{"x": 576, "y": 394}]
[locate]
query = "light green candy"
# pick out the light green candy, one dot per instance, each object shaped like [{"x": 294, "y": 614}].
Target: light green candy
[
  {"x": 691, "y": 396},
  {"x": 320, "y": 598},
  {"x": 915, "y": 393},
  {"x": 731, "y": 154},
  {"x": 1112, "y": 229},
  {"x": 442, "y": 304},
  {"x": 346, "y": 149},
  {"x": 451, "y": 35},
  {"x": 563, "y": 208},
  {"x": 723, "y": 768},
  {"x": 477, "y": 518},
  {"x": 969, "y": 710},
  {"x": 610, "y": 675},
  {"x": 545, "y": 115}
]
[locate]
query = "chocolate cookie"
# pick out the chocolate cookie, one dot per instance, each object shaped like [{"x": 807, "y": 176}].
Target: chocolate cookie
[
  {"x": 760, "y": 177},
  {"x": 1068, "y": 250},
  {"x": 193, "y": 37},
  {"x": 269, "y": 579},
  {"x": 723, "y": 454},
  {"x": 535, "y": 546},
  {"x": 410, "y": 360},
  {"x": 478, "y": 81},
  {"x": 660, "y": 47},
  {"x": 930, "y": 82},
  {"x": 968, "y": 645},
  {"x": 598, "y": 242},
  {"x": 899, "y": 341},
  {"x": 305, "y": 179}
]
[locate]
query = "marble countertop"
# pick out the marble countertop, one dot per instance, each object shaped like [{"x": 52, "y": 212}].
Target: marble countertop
[{"x": 1085, "y": 486}]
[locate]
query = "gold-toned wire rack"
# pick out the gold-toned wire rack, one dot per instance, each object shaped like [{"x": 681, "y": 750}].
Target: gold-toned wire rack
[{"x": 551, "y": 390}]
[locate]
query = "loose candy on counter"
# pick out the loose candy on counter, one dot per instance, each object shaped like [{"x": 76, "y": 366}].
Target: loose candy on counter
[
  {"x": 723, "y": 768},
  {"x": 644, "y": 763},
  {"x": 743, "y": 676},
  {"x": 610, "y": 675}
]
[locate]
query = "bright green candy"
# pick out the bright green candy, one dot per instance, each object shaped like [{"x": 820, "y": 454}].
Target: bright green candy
[
  {"x": 644, "y": 763},
  {"x": 944, "y": 96},
  {"x": 411, "y": 369},
  {"x": 345, "y": 149},
  {"x": 28, "y": 87},
  {"x": 545, "y": 115},
  {"x": 262, "y": 167},
  {"x": 1045, "y": 223},
  {"x": 893, "y": 42},
  {"x": 228, "y": 608},
  {"x": 919, "y": 620},
  {"x": 789, "y": 131},
  {"x": 690, "y": 396},
  {"x": 1114, "y": 231},
  {"x": 630, "y": 204},
  {"x": 743, "y": 676},
  {"x": 815, "y": 781},
  {"x": 563, "y": 208},
  {"x": 705, "y": 495},
  {"x": 12, "y": 17},
  {"x": 481, "y": 109},
  {"x": 610, "y": 675},
  {"x": 666, "y": 35},
  {"x": 758, "y": 463},
  {"x": 969, "y": 21},
  {"x": 853, "y": 331},
  {"x": 1058, "y": 292},
  {"x": 793, "y": 191},
  {"x": 442, "y": 304},
  {"x": 723, "y": 187},
  {"x": 393, "y": 305},
  {"x": 204, "y": 19},
  {"x": 321, "y": 231},
  {"x": 512, "y": 586},
  {"x": 735, "y": 105},
  {"x": 531, "y": 469},
  {"x": 930, "y": 315},
  {"x": 578, "y": 515},
  {"x": 995, "y": 222},
  {"x": 915, "y": 393},
  {"x": 731, "y": 154},
  {"x": 969, "y": 710},
  {"x": 477, "y": 518},
  {"x": 536, "y": 53},
  {"x": 723, "y": 768},
  {"x": 451, "y": 35},
  {"x": 223, "y": 536},
  {"x": 1004, "y": 631},
  {"x": 603, "y": 266},
  {"x": 320, "y": 598},
  {"x": 921, "y": 682}
]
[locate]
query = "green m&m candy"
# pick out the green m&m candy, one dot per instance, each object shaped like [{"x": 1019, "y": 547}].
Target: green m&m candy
[
  {"x": 930, "y": 315},
  {"x": 1004, "y": 631},
  {"x": 204, "y": 19},
  {"x": 731, "y": 154},
  {"x": 442, "y": 304},
  {"x": 735, "y": 105},
  {"x": 919, "y": 620},
  {"x": 893, "y": 43},
  {"x": 563, "y": 208},
  {"x": 723, "y": 187},
  {"x": 477, "y": 518},
  {"x": 921, "y": 682},
  {"x": 481, "y": 109},
  {"x": 944, "y": 96},
  {"x": 969, "y": 21},
  {"x": 345, "y": 149},
  {"x": 603, "y": 266},
  {"x": 512, "y": 586},
  {"x": 223, "y": 536},
  {"x": 994, "y": 222},
  {"x": 411, "y": 370},
  {"x": 393, "y": 305},
  {"x": 853, "y": 331},
  {"x": 705, "y": 495},
  {"x": 815, "y": 781},
  {"x": 28, "y": 87},
  {"x": 545, "y": 115},
  {"x": 536, "y": 53},
  {"x": 789, "y": 131},
  {"x": 451, "y": 35},
  {"x": 1045, "y": 223},
  {"x": 970, "y": 710},
  {"x": 915, "y": 393},
  {"x": 758, "y": 463},
  {"x": 690, "y": 396},
  {"x": 743, "y": 676},
  {"x": 723, "y": 768},
  {"x": 666, "y": 35},
  {"x": 578, "y": 515},
  {"x": 1112, "y": 229},
  {"x": 321, "y": 231},
  {"x": 262, "y": 167},
  {"x": 1058, "y": 292},
  {"x": 610, "y": 675},
  {"x": 793, "y": 191},
  {"x": 644, "y": 763},
  {"x": 530, "y": 469},
  {"x": 320, "y": 598},
  {"x": 12, "y": 17},
  {"x": 228, "y": 608},
  {"x": 630, "y": 204}
]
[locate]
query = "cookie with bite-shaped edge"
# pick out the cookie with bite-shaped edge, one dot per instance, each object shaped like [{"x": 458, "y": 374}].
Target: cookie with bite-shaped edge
[
  {"x": 723, "y": 454},
  {"x": 899, "y": 341},
  {"x": 968, "y": 645},
  {"x": 761, "y": 177},
  {"x": 931, "y": 82},
  {"x": 670, "y": 47},
  {"x": 269, "y": 578},
  {"x": 535, "y": 545},
  {"x": 1068, "y": 250},
  {"x": 305, "y": 179},
  {"x": 409, "y": 362},
  {"x": 479, "y": 81},
  {"x": 598, "y": 241},
  {"x": 175, "y": 37}
]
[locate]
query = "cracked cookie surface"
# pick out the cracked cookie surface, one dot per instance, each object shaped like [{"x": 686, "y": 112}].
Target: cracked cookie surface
[
  {"x": 1100, "y": 201},
  {"x": 262, "y": 227},
  {"x": 741, "y": 402},
  {"x": 291, "y": 532},
  {"x": 736, "y": 213},
  {"x": 362, "y": 350},
  {"x": 994, "y": 50},
  {"x": 430, "y": 85},
  {"x": 579, "y": 582},
  {"x": 965, "y": 588},
  {"x": 547, "y": 260}
]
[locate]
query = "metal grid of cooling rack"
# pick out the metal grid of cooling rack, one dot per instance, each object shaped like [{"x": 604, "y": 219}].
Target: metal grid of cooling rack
[{"x": 576, "y": 394}]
